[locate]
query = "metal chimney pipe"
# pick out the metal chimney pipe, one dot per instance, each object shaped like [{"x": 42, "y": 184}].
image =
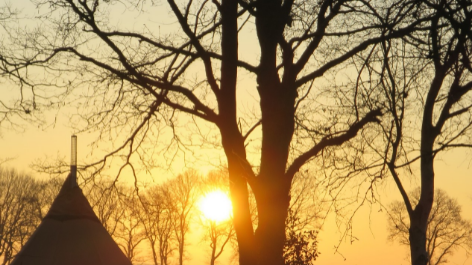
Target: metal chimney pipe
[{"x": 73, "y": 161}]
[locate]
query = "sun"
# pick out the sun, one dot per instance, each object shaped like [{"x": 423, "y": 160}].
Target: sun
[{"x": 216, "y": 206}]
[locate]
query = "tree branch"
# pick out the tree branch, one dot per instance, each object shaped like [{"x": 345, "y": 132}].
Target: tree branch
[{"x": 327, "y": 141}]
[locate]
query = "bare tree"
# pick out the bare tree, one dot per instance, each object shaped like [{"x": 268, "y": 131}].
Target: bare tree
[
  {"x": 220, "y": 235},
  {"x": 158, "y": 223},
  {"x": 446, "y": 231},
  {"x": 183, "y": 192},
  {"x": 427, "y": 72},
  {"x": 20, "y": 211},
  {"x": 130, "y": 82},
  {"x": 129, "y": 232}
]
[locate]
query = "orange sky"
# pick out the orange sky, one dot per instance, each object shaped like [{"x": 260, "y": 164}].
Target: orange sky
[{"x": 453, "y": 174}]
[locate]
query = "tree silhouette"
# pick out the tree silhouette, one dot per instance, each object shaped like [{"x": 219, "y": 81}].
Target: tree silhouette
[
  {"x": 23, "y": 203},
  {"x": 158, "y": 223},
  {"x": 183, "y": 194},
  {"x": 128, "y": 82},
  {"x": 446, "y": 231},
  {"x": 130, "y": 232},
  {"x": 426, "y": 87}
]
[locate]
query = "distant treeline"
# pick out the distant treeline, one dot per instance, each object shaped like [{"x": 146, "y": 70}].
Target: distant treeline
[{"x": 151, "y": 225}]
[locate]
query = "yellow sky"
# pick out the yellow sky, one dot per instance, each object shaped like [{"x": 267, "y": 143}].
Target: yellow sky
[{"x": 453, "y": 174}]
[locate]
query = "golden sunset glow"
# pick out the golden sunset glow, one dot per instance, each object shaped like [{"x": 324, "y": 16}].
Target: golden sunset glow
[{"x": 216, "y": 206}]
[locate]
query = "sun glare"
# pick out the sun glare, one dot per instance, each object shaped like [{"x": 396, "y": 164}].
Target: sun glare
[{"x": 216, "y": 206}]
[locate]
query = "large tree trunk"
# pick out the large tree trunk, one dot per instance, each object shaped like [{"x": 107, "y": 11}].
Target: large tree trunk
[
  {"x": 277, "y": 99},
  {"x": 241, "y": 212},
  {"x": 232, "y": 140},
  {"x": 272, "y": 206},
  {"x": 272, "y": 188},
  {"x": 419, "y": 216},
  {"x": 419, "y": 255}
]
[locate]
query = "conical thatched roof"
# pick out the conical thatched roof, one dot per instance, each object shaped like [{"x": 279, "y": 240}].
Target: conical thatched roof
[{"x": 70, "y": 234}]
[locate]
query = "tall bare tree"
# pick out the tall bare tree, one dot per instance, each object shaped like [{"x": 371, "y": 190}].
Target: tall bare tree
[
  {"x": 183, "y": 193},
  {"x": 130, "y": 81},
  {"x": 447, "y": 113},
  {"x": 130, "y": 232},
  {"x": 219, "y": 234},
  {"x": 427, "y": 72},
  {"x": 158, "y": 223}
]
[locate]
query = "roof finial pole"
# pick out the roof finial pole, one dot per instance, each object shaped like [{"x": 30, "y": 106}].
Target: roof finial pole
[{"x": 73, "y": 161}]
